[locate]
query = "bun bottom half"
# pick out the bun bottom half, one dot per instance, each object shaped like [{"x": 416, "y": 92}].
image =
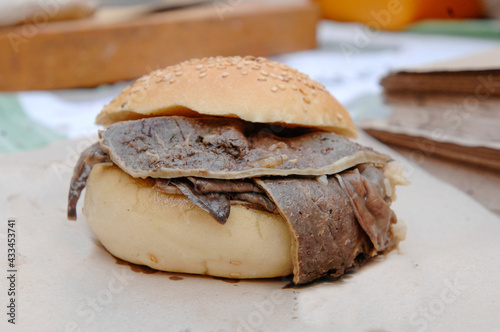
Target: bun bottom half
[{"x": 168, "y": 232}]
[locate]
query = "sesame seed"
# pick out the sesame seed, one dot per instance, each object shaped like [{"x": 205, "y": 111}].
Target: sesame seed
[
  {"x": 211, "y": 65},
  {"x": 273, "y": 75},
  {"x": 239, "y": 66},
  {"x": 264, "y": 73},
  {"x": 203, "y": 74},
  {"x": 221, "y": 66},
  {"x": 234, "y": 275},
  {"x": 172, "y": 81},
  {"x": 244, "y": 72},
  {"x": 274, "y": 89},
  {"x": 256, "y": 67},
  {"x": 198, "y": 67},
  {"x": 304, "y": 92},
  {"x": 178, "y": 73},
  {"x": 284, "y": 67},
  {"x": 269, "y": 64},
  {"x": 281, "y": 86},
  {"x": 261, "y": 78},
  {"x": 307, "y": 100},
  {"x": 225, "y": 74},
  {"x": 167, "y": 77},
  {"x": 294, "y": 87},
  {"x": 339, "y": 116}
]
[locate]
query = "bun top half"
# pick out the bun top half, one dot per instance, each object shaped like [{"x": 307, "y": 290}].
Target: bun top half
[{"x": 249, "y": 88}]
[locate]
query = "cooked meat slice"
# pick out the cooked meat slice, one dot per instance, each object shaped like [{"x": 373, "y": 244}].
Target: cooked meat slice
[
  {"x": 166, "y": 187},
  {"x": 370, "y": 207},
  {"x": 336, "y": 226},
  {"x": 257, "y": 200},
  {"x": 216, "y": 204},
  {"x": 215, "y": 185},
  {"x": 208, "y": 201},
  {"x": 327, "y": 238},
  {"x": 219, "y": 148},
  {"x": 89, "y": 157}
]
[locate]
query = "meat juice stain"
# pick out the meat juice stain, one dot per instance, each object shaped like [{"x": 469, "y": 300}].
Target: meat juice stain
[
  {"x": 290, "y": 285},
  {"x": 147, "y": 270},
  {"x": 135, "y": 267},
  {"x": 229, "y": 281},
  {"x": 175, "y": 278}
]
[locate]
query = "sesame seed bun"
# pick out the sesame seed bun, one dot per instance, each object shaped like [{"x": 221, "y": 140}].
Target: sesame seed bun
[
  {"x": 168, "y": 232},
  {"x": 252, "y": 89}
]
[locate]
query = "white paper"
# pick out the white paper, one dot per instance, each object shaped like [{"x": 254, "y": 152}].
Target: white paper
[{"x": 443, "y": 277}]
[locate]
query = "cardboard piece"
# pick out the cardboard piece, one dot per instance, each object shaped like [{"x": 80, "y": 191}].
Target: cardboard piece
[
  {"x": 444, "y": 276},
  {"x": 486, "y": 60},
  {"x": 452, "y": 106},
  {"x": 477, "y": 75}
]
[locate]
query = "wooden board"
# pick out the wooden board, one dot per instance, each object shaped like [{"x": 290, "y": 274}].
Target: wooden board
[{"x": 109, "y": 48}]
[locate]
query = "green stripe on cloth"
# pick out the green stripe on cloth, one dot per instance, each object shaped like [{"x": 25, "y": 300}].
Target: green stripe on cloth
[
  {"x": 18, "y": 132},
  {"x": 469, "y": 28}
]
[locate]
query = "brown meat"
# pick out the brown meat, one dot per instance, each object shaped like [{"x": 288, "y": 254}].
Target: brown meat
[
  {"x": 89, "y": 157},
  {"x": 219, "y": 148},
  {"x": 215, "y": 185},
  {"x": 217, "y": 201},
  {"x": 370, "y": 207},
  {"x": 328, "y": 239},
  {"x": 255, "y": 200},
  {"x": 216, "y": 204},
  {"x": 166, "y": 187}
]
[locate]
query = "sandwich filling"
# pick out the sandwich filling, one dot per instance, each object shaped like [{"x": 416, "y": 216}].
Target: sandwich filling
[{"x": 332, "y": 192}]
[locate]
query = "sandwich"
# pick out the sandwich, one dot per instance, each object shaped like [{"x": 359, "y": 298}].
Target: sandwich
[{"x": 236, "y": 167}]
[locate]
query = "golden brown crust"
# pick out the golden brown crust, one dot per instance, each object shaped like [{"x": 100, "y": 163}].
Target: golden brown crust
[{"x": 253, "y": 89}]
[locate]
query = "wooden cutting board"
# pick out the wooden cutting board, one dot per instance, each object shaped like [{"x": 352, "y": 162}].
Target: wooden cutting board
[{"x": 117, "y": 45}]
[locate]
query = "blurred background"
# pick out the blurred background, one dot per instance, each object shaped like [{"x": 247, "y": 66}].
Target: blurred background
[{"x": 421, "y": 76}]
